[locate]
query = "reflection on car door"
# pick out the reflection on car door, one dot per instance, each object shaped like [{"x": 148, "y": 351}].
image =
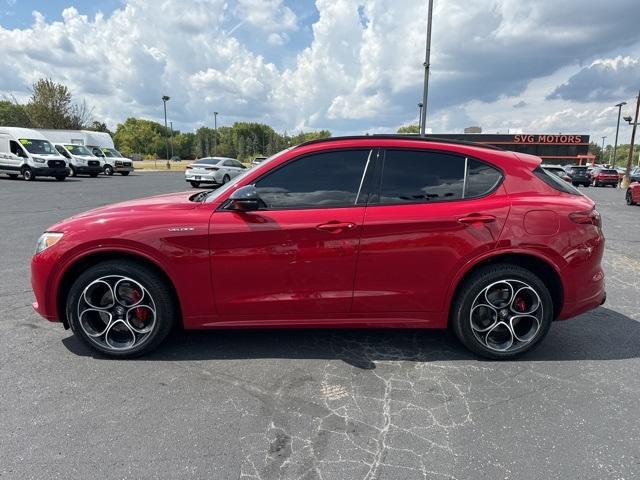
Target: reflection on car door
[
  {"x": 419, "y": 229},
  {"x": 297, "y": 256}
]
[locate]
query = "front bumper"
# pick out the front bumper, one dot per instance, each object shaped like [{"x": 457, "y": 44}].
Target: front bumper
[
  {"x": 123, "y": 168},
  {"x": 89, "y": 170},
  {"x": 50, "y": 171}
]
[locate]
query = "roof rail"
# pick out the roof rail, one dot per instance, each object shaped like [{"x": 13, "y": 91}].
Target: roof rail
[{"x": 402, "y": 136}]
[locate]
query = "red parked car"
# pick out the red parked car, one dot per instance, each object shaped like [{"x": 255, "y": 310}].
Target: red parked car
[
  {"x": 604, "y": 176},
  {"x": 373, "y": 231},
  {"x": 633, "y": 194}
]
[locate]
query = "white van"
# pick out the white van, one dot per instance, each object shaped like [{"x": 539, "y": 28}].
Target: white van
[
  {"x": 81, "y": 160},
  {"x": 28, "y": 153},
  {"x": 100, "y": 144}
]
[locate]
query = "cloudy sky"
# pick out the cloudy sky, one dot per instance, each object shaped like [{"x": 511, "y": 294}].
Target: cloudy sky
[{"x": 350, "y": 66}]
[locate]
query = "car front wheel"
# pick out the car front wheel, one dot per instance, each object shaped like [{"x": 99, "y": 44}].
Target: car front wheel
[
  {"x": 108, "y": 170},
  {"x": 502, "y": 311},
  {"x": 629, "y": 198},
  {"x": 121, "y": 309}
]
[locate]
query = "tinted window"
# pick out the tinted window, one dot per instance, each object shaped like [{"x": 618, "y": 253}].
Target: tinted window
[
  {"x": 326, "y": 179},
  {"x": 416, "y": 176},
  {"x": 481, "y": 179},
  {"x": 555, "y": 182},
  {"x": 208, "y": 161}
]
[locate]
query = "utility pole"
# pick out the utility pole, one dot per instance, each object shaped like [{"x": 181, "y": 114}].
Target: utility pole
[
  {"x": 602, "y": 150},
  {"x": 215, "y": 133},
  {"x": 615, "y": 145},
  {"x": 171, "y": 131},
  {"x": 165, "y": 99},
  {"x": 427, "y": 65},
  {"x": 420, "y": 117},
  {"x": 625, "y": 180}
]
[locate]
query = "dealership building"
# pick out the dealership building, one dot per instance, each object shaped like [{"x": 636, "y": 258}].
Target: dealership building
[{"x": 552, "y": 148}]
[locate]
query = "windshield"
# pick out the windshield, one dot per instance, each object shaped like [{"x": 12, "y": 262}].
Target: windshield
[
  {"x": 213, "y": 194},
  {"x": 207, "y": 161},
  {"x": 111, "y": 152},
  {"x": 78, "y": 150},
  {"x": 42, "y": 147}
]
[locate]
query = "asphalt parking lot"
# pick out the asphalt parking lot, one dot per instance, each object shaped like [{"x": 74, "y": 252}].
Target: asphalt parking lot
[{"x": 312, "y": 404}]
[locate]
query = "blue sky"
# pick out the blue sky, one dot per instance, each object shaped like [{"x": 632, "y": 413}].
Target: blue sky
[{"x": 349, "y": 66}]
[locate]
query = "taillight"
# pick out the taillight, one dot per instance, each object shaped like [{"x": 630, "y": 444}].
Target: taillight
[{"x": 589, "y": 217}]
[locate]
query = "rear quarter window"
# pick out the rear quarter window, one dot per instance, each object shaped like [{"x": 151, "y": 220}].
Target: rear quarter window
[{"x": 555, "y": 182}]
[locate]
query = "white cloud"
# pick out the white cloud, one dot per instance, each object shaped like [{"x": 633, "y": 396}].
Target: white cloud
[{"x": 361, "y": 70}]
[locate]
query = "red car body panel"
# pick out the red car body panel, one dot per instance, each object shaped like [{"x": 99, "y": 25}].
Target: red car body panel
[
  {"x": 634, "y": 188},
  {"x": 387, "y": 266}
]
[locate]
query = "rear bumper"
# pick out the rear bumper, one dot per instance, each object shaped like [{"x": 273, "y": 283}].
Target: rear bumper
[
  {"x": 50, "y": 172},
  {"x": 201, "y": 178}
]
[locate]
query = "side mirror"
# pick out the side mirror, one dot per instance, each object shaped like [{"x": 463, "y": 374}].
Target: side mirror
[{"x": 246, "y": 199}]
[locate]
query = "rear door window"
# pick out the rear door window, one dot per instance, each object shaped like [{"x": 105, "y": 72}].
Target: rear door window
[{"x": 412, "y": 176}]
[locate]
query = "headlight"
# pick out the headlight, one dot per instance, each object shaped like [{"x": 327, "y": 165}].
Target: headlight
[
  {"x": 46, "y": 240},
  {"x": 39, "y": 160}
]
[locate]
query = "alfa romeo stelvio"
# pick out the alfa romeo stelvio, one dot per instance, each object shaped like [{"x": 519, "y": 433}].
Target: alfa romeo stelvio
[{"x": 373, "y": 231}]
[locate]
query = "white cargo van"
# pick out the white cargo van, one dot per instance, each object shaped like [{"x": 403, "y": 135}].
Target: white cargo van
[
  {"x": 81, "y": 160},
  {"x": 28, "y": 153},
  {"x": 100, "y": 144}
]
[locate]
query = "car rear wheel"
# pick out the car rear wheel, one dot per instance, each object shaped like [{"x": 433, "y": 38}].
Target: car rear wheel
[
  {"x": 121, "y": 309},
  {"x": 195, "y": 184},
  {"x": 124, "y": 174},
  {"x": 502, "y": 311},
  {"x": 93, "y": 175},
  {"x": 27, "y": 174},
  {"x": 61, "y": 178},
  {"x": 13, "y": 176},
  {"x": 629, "y": 198}
]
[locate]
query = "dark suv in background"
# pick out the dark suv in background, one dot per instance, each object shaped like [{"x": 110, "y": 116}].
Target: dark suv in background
[{"x": 579, "y": 175}]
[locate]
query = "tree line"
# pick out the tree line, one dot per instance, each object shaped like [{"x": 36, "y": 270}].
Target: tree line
[{"x": 51, "y": 105}]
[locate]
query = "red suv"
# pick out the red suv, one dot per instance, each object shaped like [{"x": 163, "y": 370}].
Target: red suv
[
  {"x": 605, "y": 176},
  {"x": 374, "y": 231}
]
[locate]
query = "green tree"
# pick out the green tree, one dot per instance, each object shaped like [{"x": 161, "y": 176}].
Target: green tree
[
  {"x": 51, "y": 106},
  {"x": 409, "y": 129},
  {"x": 97, "y": 126},
  {"x": 12, "y": 114},
  {"x": 140, "y": 136}
]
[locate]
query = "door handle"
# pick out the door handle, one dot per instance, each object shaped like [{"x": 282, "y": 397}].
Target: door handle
[
  {"x": 477, "y": 218},
  {"x": 336, "y": 227}
]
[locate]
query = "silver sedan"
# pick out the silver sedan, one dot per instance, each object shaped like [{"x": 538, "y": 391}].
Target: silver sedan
[{"x": 213, "y": 170}]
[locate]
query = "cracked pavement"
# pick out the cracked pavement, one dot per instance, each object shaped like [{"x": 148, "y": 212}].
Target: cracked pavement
[{"x": 312, "y": 404}]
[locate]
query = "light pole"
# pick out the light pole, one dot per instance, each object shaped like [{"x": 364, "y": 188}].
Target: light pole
[
  {"x": 215, "y": 133},
  {"x": 615, "y": 145},
  {"x": 602, "y": 150},
  {"x": 427, "y": 65},
  {"x": 420, "y": 116},
  {"x": 171, "y": 131},
  {"x": 625, "y": 180},
  {"x": 165, "y": 99}
]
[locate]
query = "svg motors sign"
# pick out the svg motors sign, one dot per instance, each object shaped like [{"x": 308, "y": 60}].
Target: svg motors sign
[{"x": 555, "y": 139}]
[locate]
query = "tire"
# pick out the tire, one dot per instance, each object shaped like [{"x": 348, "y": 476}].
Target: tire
[
  {"x": 13, "y": 176},
  {"x": 124, "y": 174},
  {"x": 490, "y": 338},
  {"x": 61, "y": 178},
  {"x": 225, "y": 179},
  {"x": 195, "y": 184},
  {"x": 154, "y": 314},
  {"x": 629, "y": 198},
  {"x": 585, "y": 185},
  {"x": 27, "y": 174},
  {"x": 108, "y": 170},
  {"x": 73, "y": 171},
  {"x": 93, "y": 175}
]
